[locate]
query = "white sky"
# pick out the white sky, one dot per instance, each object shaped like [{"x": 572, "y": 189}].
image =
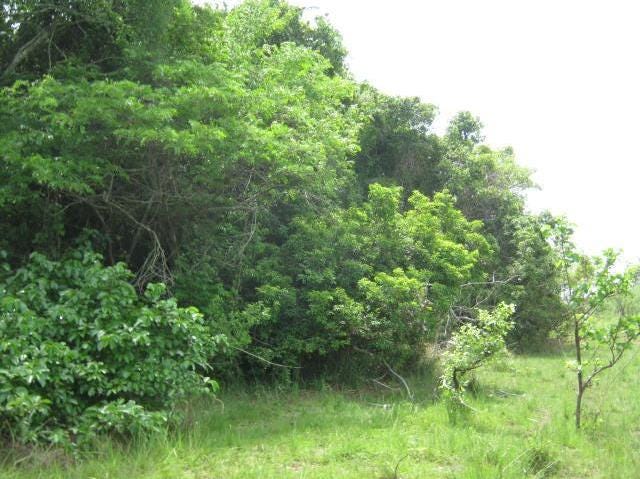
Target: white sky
[{"x": 559, "y": 80}]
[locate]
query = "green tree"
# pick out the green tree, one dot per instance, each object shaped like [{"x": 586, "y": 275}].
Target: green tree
[
  {"x": 589, "y": 282},
  {"x": 184, "y": 144},
  {"x": 387, "y": 275},
  {"x": 68, "y": 38},
  {"x": 257, "y": 23},
  {"x": 229, "y": 155},
  {"x": 536, "y": 283},
  {"x": 471, "y": 347},
  {"x": 398, "y": 147},
  {"x": 397, "y": 144}
]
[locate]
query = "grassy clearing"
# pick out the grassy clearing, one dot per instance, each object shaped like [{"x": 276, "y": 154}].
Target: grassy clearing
[{"x": 523, "y": 427}]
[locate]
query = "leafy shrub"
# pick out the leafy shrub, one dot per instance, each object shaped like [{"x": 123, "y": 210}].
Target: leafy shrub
[
  {"x": 398, "y": 318},
  {"x": 378, "y": 277},
  {"x": 471, "y": 347},
  {"x": 82, "y": 353}
]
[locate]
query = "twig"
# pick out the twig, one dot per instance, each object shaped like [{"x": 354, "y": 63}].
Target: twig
[
  {"x": 488, "y": 283},
  {"x": 265, "y": 360},
  {"x": 406, "y": 386},
  {"x": 384, "y": 385},
  {"x": 395, "y": 471},
  {"x": 402, "y": 380}
]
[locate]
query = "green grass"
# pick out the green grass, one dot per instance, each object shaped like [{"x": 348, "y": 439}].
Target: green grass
[{"x": 522, "y": 427}]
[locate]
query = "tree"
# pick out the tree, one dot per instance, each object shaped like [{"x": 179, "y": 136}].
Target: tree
[
  {"x": 398, "y": 147},
  {"x": 257, "y": 23},
  {"x": 589, "y": 282},
  {"x": 536, "y": 283},
  {"x": 397, "y": 144},
  {"x": 466, "y": 129},
  {"x": 229, "y": 155},
  {"x": 41, "y": 36},
  {"x": 373, "y": 277},
  {"x": 188, "y": 138},
  {"x": 184, "y": 143},
  {"x": 474, "y": 345}
]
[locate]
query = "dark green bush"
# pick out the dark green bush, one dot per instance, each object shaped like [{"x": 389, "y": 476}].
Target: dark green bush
[
  {"x": 81, "y": 353},
  {"x": 378, "y": 278}
]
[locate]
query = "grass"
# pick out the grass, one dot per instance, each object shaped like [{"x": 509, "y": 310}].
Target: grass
[{"x": 522, "y": 427}]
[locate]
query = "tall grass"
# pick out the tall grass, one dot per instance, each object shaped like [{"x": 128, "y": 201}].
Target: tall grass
[{"x": 521, "y": 426}]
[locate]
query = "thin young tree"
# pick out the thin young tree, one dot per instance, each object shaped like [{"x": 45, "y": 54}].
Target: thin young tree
[{"x": 589, "y": 282}]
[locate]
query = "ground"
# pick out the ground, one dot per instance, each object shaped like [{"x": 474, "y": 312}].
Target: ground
[{"x": 521, "y": 425}]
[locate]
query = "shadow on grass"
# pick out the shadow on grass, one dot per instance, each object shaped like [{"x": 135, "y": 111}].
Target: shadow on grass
[{"x": 551, "y": 349}]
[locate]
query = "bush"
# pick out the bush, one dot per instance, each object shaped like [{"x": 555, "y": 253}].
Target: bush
[
  {"x": 398, "y": 319},
  {"x": 471, "y": 347},
  {"x": 375, "y": 277},
  {"x": 81, "y": 353}
]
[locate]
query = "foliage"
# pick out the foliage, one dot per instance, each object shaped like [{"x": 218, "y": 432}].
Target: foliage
[
  {"x": 397, "y": 143},
  {"x": 315, "y": 222},
  {"x": 229, "y": 154},
  {"x": 255, "y": 23},
  {"x": 628, "y": 304},
  {"x": 590, "y": 282},
  {"x": 371, "y": 277},
  {"x": 190, "y": 140},
  {"x": 398, "y": 146},
  {"x": 217, "y": 151},
  {"x": 397, "y": 318},
  {"x": 67, "y": 38},
  {"x": 536, "y": 285},
  {"x": 81, "y": 353},
  {"x": 189, "y": 137},
  {"x": 204, "y": 133},
  {"x": 471, "y": 347}
]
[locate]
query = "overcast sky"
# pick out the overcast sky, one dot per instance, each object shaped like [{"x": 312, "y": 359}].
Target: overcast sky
[{"x": 559, "y": 80}]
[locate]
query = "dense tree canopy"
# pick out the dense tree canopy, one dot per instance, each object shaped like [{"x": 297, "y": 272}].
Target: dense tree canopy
[{"x": 230, "y": 155}]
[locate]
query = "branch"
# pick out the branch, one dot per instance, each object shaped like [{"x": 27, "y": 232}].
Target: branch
[
  {"x": 406, "y": 386},
  {"x": 612, "y": 362},
  {"x": 25, "y": 50},
  {"x": 384, "y": 385},
  {"x": 489, "y": 283},
  {"x": 155, "y": 264},
  {"x": 402, "y": 380},
  {"x": 265, "y": 360}
]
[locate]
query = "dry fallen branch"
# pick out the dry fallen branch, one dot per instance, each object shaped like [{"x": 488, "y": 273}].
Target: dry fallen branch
[
  {"x": 391, "y": 370},
  {"x": 265, "y": 360}
]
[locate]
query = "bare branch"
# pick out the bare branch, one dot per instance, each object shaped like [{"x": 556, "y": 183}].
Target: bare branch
[
  {"x": 265, "y": 360},
  {"x": 25, "y": 50}
]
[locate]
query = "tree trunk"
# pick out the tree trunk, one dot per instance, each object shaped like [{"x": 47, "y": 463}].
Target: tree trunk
[
  {"x": 456, "y": 382},
  {"x": 579, "y": 407},
  {"x": 581, "y": 387}
]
